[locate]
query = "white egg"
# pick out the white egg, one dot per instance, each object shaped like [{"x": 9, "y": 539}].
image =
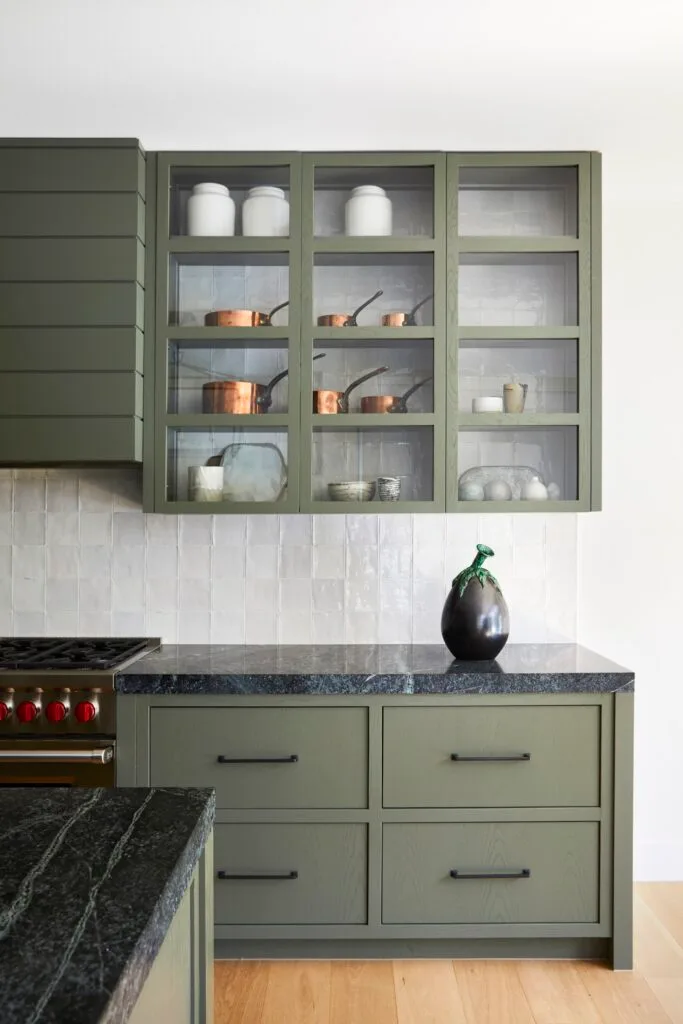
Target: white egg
[
  {"x": 497, "y": 490},
  {"x": 470, "y": 493},
  {"x": 534, "y": 490}
]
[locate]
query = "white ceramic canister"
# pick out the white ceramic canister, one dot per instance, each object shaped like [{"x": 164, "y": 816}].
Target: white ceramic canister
[
  {"x": 210, "y": 210},
  {"x": 368, "y": 211},
  {"x": 205, "y": 483},
  {"x": 265, "y": 211}
]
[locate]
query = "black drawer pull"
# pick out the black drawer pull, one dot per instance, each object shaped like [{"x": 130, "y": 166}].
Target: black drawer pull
[
  {"x": 292, "y": 759},
  {"x": 266, "y": 876},
  {"x": 491, "y": 757},
  {"x": 524, "y": 873}
]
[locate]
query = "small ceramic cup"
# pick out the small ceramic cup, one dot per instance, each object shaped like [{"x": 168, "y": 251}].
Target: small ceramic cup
[
  {"x": 205, "y": 483},
  {"x": 389, "y": 488},
  {"x": 489, "y": 403}
]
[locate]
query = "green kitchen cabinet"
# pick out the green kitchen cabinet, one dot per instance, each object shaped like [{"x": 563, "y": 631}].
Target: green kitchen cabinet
[
  {"x": 72, "y": 296},
  {"x": 500, "y": 252},
  {"x": 352, "y": 831}
]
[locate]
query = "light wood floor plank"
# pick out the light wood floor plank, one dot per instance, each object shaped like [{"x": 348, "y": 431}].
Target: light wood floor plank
[
  {"x": 556, "y": 993},
  {"x": 298, "y": 992},
  {"x": 427, "y": 992},
  {"x": 669, "y": 992},
  {"x": 665, "y": 899},
  {"x": 492, "y": 992},
  {"x": 239, "y": 991},
  {"x": 623, "y": 997},
  {"x": 657, "y": 954},
  {"x": 362, "y": 992}
]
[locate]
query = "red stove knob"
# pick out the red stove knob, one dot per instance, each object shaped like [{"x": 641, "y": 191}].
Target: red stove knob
[
  {"x": 85, "y": 711},
  {"x": 5, "y": 711},
  {"x": 27, "y": 711},
  {"x": 55, "y": 711}
]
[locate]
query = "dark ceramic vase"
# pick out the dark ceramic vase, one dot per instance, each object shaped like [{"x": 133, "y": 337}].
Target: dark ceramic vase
[{"x": 475, "y": 622}]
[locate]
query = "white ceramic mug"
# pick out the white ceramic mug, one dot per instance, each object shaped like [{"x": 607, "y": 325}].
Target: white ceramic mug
[{"x": 205, "y": 483}]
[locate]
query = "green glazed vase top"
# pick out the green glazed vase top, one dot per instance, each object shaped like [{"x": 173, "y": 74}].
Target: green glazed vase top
[{"x": 476, "y": 571}]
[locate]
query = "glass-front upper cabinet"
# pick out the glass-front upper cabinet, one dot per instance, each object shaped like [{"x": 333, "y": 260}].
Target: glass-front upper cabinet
[
  {"x": 373, "y": 332},
  {"x": 523, "y": 274},
  {"x": 227, "y": 332}
]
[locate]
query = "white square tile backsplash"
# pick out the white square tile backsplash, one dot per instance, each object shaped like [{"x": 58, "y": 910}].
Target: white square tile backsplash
[{"x": 77, "y": 555}]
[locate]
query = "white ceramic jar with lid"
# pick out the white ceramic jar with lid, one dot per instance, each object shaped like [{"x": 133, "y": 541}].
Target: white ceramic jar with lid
[
  {"x": 210, "y": 210},
  {"x": 368, "y": 211},
  {"x": 265, "y": 211}
]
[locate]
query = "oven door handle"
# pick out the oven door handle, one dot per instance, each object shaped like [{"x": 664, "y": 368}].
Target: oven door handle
[{"x": 98, "y": 755}]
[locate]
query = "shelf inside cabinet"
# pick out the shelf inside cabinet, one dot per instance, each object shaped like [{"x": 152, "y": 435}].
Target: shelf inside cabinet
[
  {"x": 548, "y": 367},
  {"x": 183, "y": 244},
  {"x": 373, "y": 244},
  {"x": 343, "y": 281},
  {"x": 200, "y": 283},
  {"x": 510, "y": 421},
  {"x": 518, "y": 200},
  {"x": 489, "y": 455},
  {"x": 199, "y": 376},
  {"x": 532, "y": 289},
  {"x": 237, "y": 178},
  {"x": 410, "y": 190}
]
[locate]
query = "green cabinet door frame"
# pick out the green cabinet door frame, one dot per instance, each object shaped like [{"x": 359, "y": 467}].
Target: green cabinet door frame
[{"x": 447, "y": 246}]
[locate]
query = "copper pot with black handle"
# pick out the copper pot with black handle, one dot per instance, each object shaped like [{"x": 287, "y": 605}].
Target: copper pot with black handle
[
  {"x": 241, "y": 317},
  {"x": 331, "y": 402},
  {"x": 405, "y": 319},
  {"x": 241, "y": 397},
  {"x": 390, "y": 403},
  {"x": 346, "y": 319}
]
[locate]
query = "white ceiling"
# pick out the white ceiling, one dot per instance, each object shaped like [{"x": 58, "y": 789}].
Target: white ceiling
[{"x": 362, "y": 74}]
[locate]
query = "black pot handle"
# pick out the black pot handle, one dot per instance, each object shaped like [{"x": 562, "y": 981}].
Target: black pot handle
[{"x": 352, "y": 321}]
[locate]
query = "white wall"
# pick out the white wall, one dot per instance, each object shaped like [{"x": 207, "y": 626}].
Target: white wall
[{"x": 602, "y": 74}]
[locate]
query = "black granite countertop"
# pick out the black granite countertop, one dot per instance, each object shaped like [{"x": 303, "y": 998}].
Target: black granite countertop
[
  {"x": 377, "y": 669},
  {"x": 90, "y": 880}
]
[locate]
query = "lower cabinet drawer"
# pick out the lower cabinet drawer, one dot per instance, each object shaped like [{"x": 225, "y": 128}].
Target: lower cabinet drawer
[
  {"x": 532, "y": 872},
  {"x": 291, "y": 874},
  {"x": 264, "y": 757}
]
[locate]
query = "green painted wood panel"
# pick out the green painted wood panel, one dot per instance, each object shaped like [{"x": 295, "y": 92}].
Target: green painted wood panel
[
  {"x": 72, "y": 259},
  {"x": 63, "y": 394},
  {"x": 114, "y": 304},
  {"x": 564, "y": 744},
  {"x": 71, "y": 215},
  {"x": 62, "y": 349},
  {"x": 54, "y": 168},
  {"x": 562, "y": 857},
  {"x": 40, "y": 440},
  {"x": 331, "y": 747},
  {"x": 330, "y": 862}
]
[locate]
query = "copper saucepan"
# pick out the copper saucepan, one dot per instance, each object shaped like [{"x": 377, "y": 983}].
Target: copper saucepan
[
  {"x": 390, "y": 403},
  {"x": 241, "y": 317},
  {"x": 405, "y": 319},
  {"x": 346, "y": 319},
  {"x": 325, "y": 401},
  {"x": 241, "y": 397}
]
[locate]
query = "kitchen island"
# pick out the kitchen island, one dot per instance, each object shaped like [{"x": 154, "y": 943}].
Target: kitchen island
[
  {"x": 385, "y": 801},
  {"x": 104, "y": 896}
]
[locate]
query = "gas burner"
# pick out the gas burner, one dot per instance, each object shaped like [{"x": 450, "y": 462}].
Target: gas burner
[{"x": 53, "y": 654}]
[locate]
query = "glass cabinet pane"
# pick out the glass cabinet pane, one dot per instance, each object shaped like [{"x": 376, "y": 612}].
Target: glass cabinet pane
[
  {"x": 529, "y": 463},
  {"x": 548, "y": 368},
  {"x": 206, "y": 289},
  {"x": 243, "y": 465},
  {"x": 228, "y": 377},
  {"x": 409, "y": 365},
  {"x": 518, "y": 289},
  {"x": 519, "y": 201},
  {"x": 343, "y": 282},
  {"x": 238, "y": 181},
  {"x": 407, "y": 207},
  {"x": 372, "y": 464}
]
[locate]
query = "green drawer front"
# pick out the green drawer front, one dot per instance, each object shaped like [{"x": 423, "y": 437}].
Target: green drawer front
[
  {"x": 39, "y": 440},
  {"x": 71, "y": 215},
  {"x": 330, "y": 886},
  {"x": 64, "y": 394},
  {"x": 563, "y": 770},
  {"x": 111, "y": 304},
  {"x": 72, "y": 259},
  {"x": 71, "y": 348},
  {"x": 72, "y": 169},
  {"x": 562, "y": 858},
  {"x": 331, "y": 747}
]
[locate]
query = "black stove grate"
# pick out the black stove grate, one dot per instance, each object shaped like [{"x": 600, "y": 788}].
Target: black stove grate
[{"x": 67, "y": 655}]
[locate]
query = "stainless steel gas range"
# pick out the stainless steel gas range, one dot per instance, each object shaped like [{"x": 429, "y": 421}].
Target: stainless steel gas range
[{"x": 58, "y": 710}]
